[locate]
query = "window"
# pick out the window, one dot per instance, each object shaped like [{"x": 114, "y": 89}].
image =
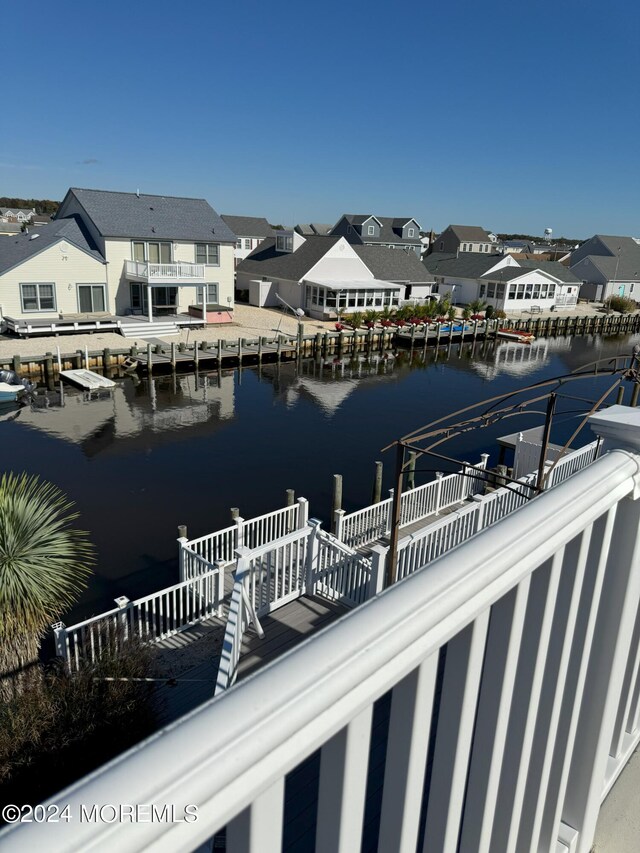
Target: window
[
  {"x": 491, "y": 291},
  {"x": 247, "y": 243},
  {"x": 239, "y": 243},
  {"x": 208, "y": 253},
  {"x": 91, "y": 298},
  {"x": 38, "y": 297},
  {"x": 155, "y": 253},
  {"x": 212, "y": 294},
  {"x": 441, "y": 245},
  {"x": 371, "y": 230},
  {"x": 482, "y": 290},
  {"x": 411, "y": 232},
  {"x": 464, "y": 247},
  {"x": 500, "y": 291},
  {"x": 284, "y": 243}
]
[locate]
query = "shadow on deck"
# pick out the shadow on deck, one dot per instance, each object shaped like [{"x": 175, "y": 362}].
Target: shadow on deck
[{"x": 190, "y": 660}]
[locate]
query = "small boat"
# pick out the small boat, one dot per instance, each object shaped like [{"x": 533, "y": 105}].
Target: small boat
[
  {"x": 12, "y": 387},
  {"x": 516, "y": 335}
]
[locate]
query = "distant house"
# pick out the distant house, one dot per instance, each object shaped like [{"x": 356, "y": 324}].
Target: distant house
[
  {"x": 309, "y": 229},
  {"x": 607, "y": 266},
  {"x": 39, "y": 219},
  {"x": 324, "y": 276},
  {"x": 119, "y": 253},
  {"x": 370, "y": 230},
  {"x": 250, "y": 231},
  {"x": 400, "y": 268},
  {"x": 503, "y": 281},
  {"x": 16, "y": 214},
  {"x": 9, "y": 228},
  {"x": 464, "y": 238}
]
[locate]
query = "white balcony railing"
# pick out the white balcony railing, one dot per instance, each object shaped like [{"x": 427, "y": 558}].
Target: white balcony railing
[
  {"x": 511, "y": 666},
  {"x": 161, "y": 273}
]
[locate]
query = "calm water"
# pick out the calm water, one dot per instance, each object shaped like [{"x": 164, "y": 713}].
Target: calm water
[{"x": 153, "y": 455}]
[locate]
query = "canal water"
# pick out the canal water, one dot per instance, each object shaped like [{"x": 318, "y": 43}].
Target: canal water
[{"x": 183, "y": 449}]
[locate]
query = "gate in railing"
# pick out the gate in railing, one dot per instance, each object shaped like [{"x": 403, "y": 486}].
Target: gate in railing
[
  {"x": 307, "y": 561},
  {"x": 147, "y": 620}
]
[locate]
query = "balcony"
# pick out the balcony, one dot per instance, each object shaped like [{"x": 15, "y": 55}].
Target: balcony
[
  {"x": 487, "y": 702},
  {"x": 179, "y": 273}
]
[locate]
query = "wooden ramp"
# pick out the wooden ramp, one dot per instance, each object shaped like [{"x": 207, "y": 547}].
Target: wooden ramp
[{"x": 87, "y": 379}]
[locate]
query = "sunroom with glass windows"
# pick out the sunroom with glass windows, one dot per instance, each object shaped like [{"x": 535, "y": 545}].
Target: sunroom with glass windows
[{"x": 327, "y": 299}]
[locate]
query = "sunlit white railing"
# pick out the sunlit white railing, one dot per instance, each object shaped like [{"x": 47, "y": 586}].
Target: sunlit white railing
[
  {"x": 150, "y": 272},
  {"x": 512, "y": 671},
  {"x": 341, "y": 574},
  {"x": 148, "y": 619},
  {"x": 364, "y": 526}
]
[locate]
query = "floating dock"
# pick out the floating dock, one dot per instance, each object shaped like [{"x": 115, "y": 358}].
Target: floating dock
[{"x": 87, "y": 379}]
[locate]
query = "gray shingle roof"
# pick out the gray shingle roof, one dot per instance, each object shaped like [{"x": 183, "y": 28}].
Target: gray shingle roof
[
  {"x": 15, "y": 250},
  {"x": 309, "y": 229},
  {"x": 265, "y": 261},
  {"x": 622, "y": 263},
  {"x": 248, "y": 226},
  {"x": 468, "y": 265},
  {"x": 321, "y": 228},
  {"x": 470, "y": 232},
  {"x": 554, "y": 268},
  {"x": 152, "y": 217},
  {"x": 393, "y": 264},
  {"x": 390, "y": 230}
]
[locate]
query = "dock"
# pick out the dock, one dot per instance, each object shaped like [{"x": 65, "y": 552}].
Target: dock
[{"x": 87, "y": 379}]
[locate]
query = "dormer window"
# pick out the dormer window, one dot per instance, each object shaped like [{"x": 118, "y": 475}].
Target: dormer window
[
  {"x": 411, "y": 232},
  {"x": 284, "y": 243},
  {"x": 371, "y": 230}
]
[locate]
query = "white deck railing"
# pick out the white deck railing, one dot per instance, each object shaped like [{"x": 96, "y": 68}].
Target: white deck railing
[
  {"x": 512, "y": 669},
  {"x": 154, "y": 273},
  {"x": 147, "y": 619},
  {"x": 364, "y": 526},
  {"x": 339, "y": 573}
]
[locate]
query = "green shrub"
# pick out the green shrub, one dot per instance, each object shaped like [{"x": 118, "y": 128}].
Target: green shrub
[
  {"x": 498, "y": 314},
  {"x": 488, "y": 311}
]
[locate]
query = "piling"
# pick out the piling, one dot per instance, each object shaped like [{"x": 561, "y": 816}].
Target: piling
[
  {"x": 260, "y": 339},
  {"x": 182, "y": 531},
  {"x": 377, "y": 484},
  {"x": 196, "y": 354},
  {"x": 279, "y": 353},
  {"x": 337, "y": 499},
  {"x": 291, "y": 497},
  {"x": 240, "y": 342},
  {"x": 620, "y": 396},
  {"x": 411, "y": 470},
  {"x": 48, "y": 365},
  {"x": 173, "y": 356},
  {"x": 149, "y": 360},
  {"x": 634, "y": 395},
  {"x": 220, "y": 354},
  {"x": 235, "y": 513}
]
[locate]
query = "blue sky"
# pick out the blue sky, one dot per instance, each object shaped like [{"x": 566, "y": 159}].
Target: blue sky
[{"x": 512, "y": 116}]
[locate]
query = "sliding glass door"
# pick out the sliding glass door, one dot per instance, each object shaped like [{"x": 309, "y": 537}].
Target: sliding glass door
[{"x": 91, "y": 298}]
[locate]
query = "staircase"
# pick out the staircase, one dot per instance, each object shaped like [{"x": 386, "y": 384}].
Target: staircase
[{"x": 145, "y": 329}]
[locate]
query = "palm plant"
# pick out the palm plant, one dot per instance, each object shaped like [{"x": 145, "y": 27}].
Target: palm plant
[
  {"x": 477, "y": 306},
  {"x": 44, "y": 563},
  {"x": 451, "y": 313},
  {"x": 355, "y": 320}
]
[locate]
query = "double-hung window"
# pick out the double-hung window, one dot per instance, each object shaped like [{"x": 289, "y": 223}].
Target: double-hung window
[
  {"x": 247, "y": 242},
  {"x": 212, "y": 294},
  {"x": 38, "y": 297},
  {"x": 208, "y": 253},
  {"x": 371, "y": 230}
]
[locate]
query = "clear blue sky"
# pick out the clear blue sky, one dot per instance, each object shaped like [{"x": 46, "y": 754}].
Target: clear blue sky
[{"x": 514, "y": 116}]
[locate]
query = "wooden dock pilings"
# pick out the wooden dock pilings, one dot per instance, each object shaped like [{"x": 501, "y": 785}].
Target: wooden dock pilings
[{"x": 222, "y": 354}]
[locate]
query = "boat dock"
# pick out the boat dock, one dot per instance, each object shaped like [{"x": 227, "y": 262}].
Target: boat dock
[{"x": 87, "y": 379}]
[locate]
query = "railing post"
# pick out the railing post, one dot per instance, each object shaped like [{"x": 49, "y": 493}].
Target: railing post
[
  {"x": 389, "y": 522},
  {"x": 125, "y": 605},
  {"x": 479, "y": 513},
  {"x": 60, "y": 635},
  {"x": 484, "y": 460},
  {"x": 220, "y": 564},
  {"x": 303, "y": 513},
  {"x": 338, "y": 516},
  {"x": 313, "y": 551},
  {"x": 182, "y": 544},
  {"x": 439, "y": 476},
  {"x": 239, "y": 523},
  {"x": 378, "y": 569}
]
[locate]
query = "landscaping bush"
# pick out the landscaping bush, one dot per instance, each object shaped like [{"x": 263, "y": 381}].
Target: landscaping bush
[
  {"x": 497, "y": 314},
  {"x": 489, "y": 311},
  {"x": 621, "y": 304},
  {"x": 57, "y": 728}
]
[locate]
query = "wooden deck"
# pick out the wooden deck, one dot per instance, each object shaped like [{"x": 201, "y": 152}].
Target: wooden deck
[
  {"x": 284, "y": 629},
  {"x": 225, "y": 353}
]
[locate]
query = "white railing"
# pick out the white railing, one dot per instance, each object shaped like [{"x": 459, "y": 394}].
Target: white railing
[
  {"x": 511, "y": 666},
  {"x": 339, "y": 573},
  {"x": 146, "y": 620},
  {"x": 241, "y": 615},
  {"x": 164, "y": 272},
  {"x": 253, "y": 533},
  {"x": 574, "y": 461},
  {"x": 364, "y": 526}
]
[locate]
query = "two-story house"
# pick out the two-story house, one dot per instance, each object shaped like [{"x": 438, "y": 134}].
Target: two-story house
[
  {"x": 370, "y": 230},
  {"x": 250, "y": 231},
  {"x": 121, "y": 254},
  {"x": 464, "y": 238}
]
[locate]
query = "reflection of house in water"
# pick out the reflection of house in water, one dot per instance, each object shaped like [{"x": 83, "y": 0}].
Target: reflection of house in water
[
  {"x": 130, "y": 413},
  {"x": 329, "y": 384},
  {"x": 515, "y": 359}
]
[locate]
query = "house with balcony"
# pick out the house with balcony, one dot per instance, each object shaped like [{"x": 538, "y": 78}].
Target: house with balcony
[
  {"x": 477, "y": 689},
  {"x": 164, "y": 255},
  {"x": 250, "y": 231},
  {"x": 369, "y": 230}
]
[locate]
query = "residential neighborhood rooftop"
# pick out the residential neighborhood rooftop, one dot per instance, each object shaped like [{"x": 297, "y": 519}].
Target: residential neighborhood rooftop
[
  {"x": 16, "y": 249},
  {"x": 248, "y": 226},
  {"x": 266, "y": 261},
  {"x": 393, "y": 264}
]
